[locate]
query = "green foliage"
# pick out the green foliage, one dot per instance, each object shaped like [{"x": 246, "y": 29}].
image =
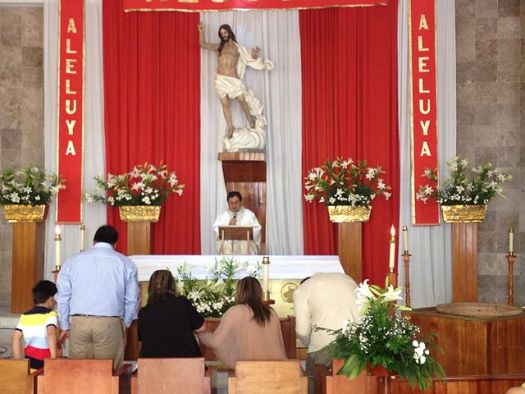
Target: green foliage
[
  {"x": 343, "y": 182},
  {"x": 464, "y": 186},
  {"x": 28, "y": 186},
  {"x": 144, "y": 185}
]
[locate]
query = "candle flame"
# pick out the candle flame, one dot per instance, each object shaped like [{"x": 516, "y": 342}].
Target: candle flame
[
  {"x": 57, "y": 229},
  {"x": 392, "y": 231}
]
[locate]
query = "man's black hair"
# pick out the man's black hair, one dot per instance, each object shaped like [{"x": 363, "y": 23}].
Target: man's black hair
[
  {"x": 107, "y": 234},
  {"x": 233, "y": 194},
  {"x": 43, "y": 290},
  {"x": 304, "y": 280}
]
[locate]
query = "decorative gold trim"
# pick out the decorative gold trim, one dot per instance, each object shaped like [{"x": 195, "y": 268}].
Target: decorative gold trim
[
  {"x": 24, "y": 213},
  {"x": 348, "y": 213},
  {"x": 139, "y": 213},
  {"x": 464, "y": 213}
]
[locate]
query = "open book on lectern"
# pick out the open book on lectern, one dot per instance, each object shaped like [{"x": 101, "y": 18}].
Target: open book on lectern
[{"x": 236, "y": 233}]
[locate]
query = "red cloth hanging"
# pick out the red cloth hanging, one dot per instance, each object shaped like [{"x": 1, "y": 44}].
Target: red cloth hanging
[
  {"x": 349, "y": 73},
  {"x": 152, "y": 112}
]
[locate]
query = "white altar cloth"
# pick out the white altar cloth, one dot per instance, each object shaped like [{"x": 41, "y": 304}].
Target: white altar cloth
[{"x": 281, "y": 267}]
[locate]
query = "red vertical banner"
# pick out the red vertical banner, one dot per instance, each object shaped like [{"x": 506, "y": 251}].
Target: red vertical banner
[
  {"x": 424, "y": 112},
  {"x": 70, "y": 129}
]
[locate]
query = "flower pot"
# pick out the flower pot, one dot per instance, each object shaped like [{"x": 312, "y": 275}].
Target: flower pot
[
  {"x": 348, "y": 213},
  {"x": 464, "y": 213},
  {"x": 139, "y": 213},
  {"x": 24, "y": 213},
  {"x": 379, "y": 371}
]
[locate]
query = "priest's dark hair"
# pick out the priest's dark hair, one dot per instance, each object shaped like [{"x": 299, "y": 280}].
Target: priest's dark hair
[
  {"x": 43, "y": 291},
  {"x": 107, "y": 234},
  {"x": 233, "y": 194},
  {"x": 249, "y": 292},
  {"x": 228, "y": 28},
  {"x": 161, "y": 287}
]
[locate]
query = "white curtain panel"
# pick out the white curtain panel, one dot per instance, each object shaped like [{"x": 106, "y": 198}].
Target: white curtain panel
[
  {"x": 93, "y": 215},
  {"x": 430, "y": 265},
  {"x": 277, "y": 34}
]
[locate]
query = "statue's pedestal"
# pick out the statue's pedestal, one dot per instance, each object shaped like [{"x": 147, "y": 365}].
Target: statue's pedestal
[
  {"x": 349, "y": 243},
  {"x": 245, "y": 172}
]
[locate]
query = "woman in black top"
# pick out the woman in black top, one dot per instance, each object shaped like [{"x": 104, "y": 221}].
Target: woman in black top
[{"x": 167, "y": 323}]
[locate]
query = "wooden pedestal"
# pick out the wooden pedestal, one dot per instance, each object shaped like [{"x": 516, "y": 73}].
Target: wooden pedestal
[
  {"x": 139, "y": 242},
  {"x": 349, "y": 243},
  {"x": 27, "y": 263},
  {"x": 245, "y": 172},
  {"x": 464, "y": 262},
  {"x": 475, "y": 346}
]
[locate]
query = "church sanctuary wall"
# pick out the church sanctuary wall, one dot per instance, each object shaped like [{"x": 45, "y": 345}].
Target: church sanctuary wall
[
  {"x": 21, "y": 106},
  {"x": 490, "y": 113},
  {"x": 490, "y": 63}
]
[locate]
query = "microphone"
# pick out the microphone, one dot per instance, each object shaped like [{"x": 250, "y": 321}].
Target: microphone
[{"x": 235, "y": 216}]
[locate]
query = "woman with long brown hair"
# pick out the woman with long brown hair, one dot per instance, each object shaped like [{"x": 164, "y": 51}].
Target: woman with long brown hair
[
  {"x": 249, "y": 330},
  {"x": 167, "y": 323}
]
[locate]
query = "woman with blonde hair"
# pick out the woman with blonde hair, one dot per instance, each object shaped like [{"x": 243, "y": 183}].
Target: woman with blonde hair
[
  {"x": 249, "y": 330},
  {"x": 167, "y": 323}
]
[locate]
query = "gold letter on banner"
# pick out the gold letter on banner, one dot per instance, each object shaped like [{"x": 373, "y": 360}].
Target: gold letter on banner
[
  {"x": 70, "y": 110},
  {"x": 424, "y": 112}
]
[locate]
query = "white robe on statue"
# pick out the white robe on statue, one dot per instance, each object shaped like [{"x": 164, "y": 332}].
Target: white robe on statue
[{"x": 244, "y": 217}]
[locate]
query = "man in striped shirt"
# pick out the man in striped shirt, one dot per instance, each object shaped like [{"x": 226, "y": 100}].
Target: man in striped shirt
[{"x": 35, "y": 336}]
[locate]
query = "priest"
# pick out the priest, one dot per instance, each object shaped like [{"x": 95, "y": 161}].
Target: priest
[{"x": 237, "y": 215}]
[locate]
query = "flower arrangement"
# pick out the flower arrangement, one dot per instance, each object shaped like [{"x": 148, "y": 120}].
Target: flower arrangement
[
  {"x": 383, "y": 338},
  {"x": 474, "y": 186},
  {"x": 28, "y": 186},
  {"x": 213, "y": 296},
  {"x": 345, "y": 182},
  {"x": 145, "y": 184}
]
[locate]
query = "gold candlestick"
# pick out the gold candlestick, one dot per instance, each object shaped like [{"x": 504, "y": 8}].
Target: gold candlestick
[
  {"x": 510, "y": 260},
  {"x": 406, "y": 261},
  {"x": 266, "y": 277}
]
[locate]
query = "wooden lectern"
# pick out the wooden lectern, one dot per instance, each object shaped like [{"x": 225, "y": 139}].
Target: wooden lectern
[{"x": 233, "y": 234}]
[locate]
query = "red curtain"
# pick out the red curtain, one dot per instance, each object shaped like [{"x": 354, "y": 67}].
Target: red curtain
[
  {"x": 152, "y": 98},
  {"x": 349, "y": 72}
]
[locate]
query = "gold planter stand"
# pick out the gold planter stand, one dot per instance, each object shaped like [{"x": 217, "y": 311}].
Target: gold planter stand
[
  {"x": 24, "y": 213},
  {"x": 464, "y": 213},
  {"x": 348, "y": 213},
  {"x": 139, "y": 213}
]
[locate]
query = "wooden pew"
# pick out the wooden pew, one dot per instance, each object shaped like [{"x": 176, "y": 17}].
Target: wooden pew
[
  {"x": 15, "y": 377},
  {"x": 287, "y": 328},
  {"x": 468, "y": 384},
  {"x": 170, "y": 376},
  {"x": 66, "y": 376},
  {"x": 262, "y": 377}
]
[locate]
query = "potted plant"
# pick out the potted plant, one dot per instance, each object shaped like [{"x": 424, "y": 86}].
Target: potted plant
[
  {"x": 138, "y": 193},
  {"x": 25, "y": 193},
  {"x": 346, "y": 187},
  {"x": 465, "y": 194},
  {"x": 382, "y": 342},
  {"x": 215, "y": 295}
]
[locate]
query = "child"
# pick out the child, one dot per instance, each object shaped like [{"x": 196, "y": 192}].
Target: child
[{"x": 37, "y": 327}]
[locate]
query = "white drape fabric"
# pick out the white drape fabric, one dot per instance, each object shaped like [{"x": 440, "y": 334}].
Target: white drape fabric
[
  {"x": 93, "y": 215},
  {"x": 277, "y": 34},
  {"x": 430, "y": 265}
]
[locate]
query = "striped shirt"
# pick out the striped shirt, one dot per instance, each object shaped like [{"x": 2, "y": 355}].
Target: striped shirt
[{"x": 33, "y": 325}]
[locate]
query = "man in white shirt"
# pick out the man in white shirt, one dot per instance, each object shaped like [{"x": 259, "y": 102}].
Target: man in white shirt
[
  {"x": 237, "y": 215},
  {"x": 325, "y": 300}
]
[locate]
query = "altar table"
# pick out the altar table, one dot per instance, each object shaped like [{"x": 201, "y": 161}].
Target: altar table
[{"x": 285, "y": 271}]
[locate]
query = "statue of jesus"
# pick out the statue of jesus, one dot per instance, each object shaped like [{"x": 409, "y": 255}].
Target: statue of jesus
[{"x": 233, "y": 59}]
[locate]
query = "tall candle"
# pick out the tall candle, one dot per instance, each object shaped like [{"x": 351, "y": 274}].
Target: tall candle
[
  {"x": 266, "y": 276},
  {"x": 391, "y": 260},
  {"x": 82, "y": 236},
  {"x": 58, "y": 240},
  {"x": 511, "y": 240},
  {"x": 405, "y": 239}
]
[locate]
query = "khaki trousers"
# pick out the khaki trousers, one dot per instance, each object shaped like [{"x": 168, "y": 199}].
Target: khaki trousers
[
  {"x": 321, "y": 357},
  {"x": 97, "y": 337}
]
